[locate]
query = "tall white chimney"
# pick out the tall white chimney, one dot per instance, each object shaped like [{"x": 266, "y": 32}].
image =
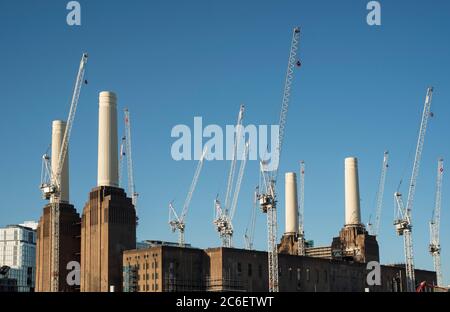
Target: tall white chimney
[
  {"x": 108, "y": 167},
  {"x": 291, "y": 203},
  {"x": 58, "y": 128},
  {"x": 352, "y": 208}
]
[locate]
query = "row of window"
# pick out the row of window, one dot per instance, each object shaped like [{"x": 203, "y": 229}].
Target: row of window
[
  {"x": 147, "y": 276},
  {"x": 290, "y": 272},
  {"x": 155, "y": 287}
]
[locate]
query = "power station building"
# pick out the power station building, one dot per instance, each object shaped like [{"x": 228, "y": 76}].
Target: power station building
[
  {"x": 339, "y": 267},
  {"x": 107, "y": 226},
  {"x": 103, "y": 241},
  {"x": 69, "y": 226},
  {"x": 108, "y": 222}
]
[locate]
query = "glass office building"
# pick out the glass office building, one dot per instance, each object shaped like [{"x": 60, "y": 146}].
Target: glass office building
[{"x": 18, "y": 251}]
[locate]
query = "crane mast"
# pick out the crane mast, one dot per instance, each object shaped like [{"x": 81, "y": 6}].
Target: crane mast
[
  {"x": 250, "y": 229},
  {"x": 130, "y": 172},
  {"x": 224, "y": 217},
  {"x": 375, "y": 229},
  {"x": 51, "y": 189},
  {"x": 301, "y": 211},
  {"x": 121, "y": 158},
  {"x": 403, "y": 222},
  {"x": 435, "y": 247},
  {"x": 177, "y": 222},
  {"x": 267, "y": 197}
]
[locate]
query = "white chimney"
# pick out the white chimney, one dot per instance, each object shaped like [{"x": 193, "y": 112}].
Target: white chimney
[
  {"x": 291, "y": 203},
  {"x": 58, "y": 128},
  {"x": 352, "y": 208},
  {"x": 108, "y": 170}
]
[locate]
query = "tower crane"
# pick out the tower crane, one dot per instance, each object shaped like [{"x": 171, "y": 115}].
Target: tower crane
[
  {"x": 177, "y": 222},
  {"x": 435, "y": 247},
  {"x": 301, "y": 212},
  {"x": 224, "y": 217},
  {"x": 374, "y": 229},
  {"x": 403, "y": 222},
  {"x": 250, "y": 229},
  {"x": 267, "y": 197},
  {"x": 51, "y": 188},
  {"x": 121, "y": 159},
  {"x": 131, "y": 186}
]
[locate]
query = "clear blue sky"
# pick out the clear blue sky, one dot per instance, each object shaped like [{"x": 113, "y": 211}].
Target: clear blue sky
[{"x": 360, "y": 91}]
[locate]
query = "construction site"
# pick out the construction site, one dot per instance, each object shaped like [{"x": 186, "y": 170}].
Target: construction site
[{"x": 102, "y": 236}]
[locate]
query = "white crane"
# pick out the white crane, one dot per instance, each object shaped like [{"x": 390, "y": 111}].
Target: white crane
[
  {"x": 374, "y": 229},
  {"x": 403, "y": 222},
  {"x": 435, "y": 246},
  {"x": 51, "y": 188},
  {"x": 130, "y": 172},
  {"x": 267, "y": 197},
  {"x": 224, "y": 217},
  {"x": 121, "y": 159},
  {"x": 177, "y": 222},
  {"x": 301, "y": 212},
  {"x": 250, "y": 229}
]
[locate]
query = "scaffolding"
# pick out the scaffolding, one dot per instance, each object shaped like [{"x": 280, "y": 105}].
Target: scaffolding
[{"x": 130, "y": 278}]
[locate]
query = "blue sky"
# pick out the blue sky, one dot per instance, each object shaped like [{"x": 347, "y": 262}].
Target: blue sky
[{"x": 359, "y": 91}]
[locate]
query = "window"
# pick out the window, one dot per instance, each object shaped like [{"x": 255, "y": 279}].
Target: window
[
  {"x": 153, "y": 287},
  {"x": 147, "y": 287},
  {"x": 156, "y": 275},
  {"x": 249, "y": 269},
  {"x": 153, "y": 265},
  {"x": 290, "y": 274},
  {"x": 307, "y": 275},
  {"x": 147, "y": 276},
  {"x": 153, "y": 275},
  {"x": 156, "y": 264},
  {"x": 139, "y": 288},
  {"x": 156, "y": 287},
  {"x": 299, "y": 272},
  {"x": 326, "y": 276},
  {"x": 239, "y": 267}
]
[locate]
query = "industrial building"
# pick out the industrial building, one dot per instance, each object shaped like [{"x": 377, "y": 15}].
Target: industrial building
[
  {"x": 18, "y": 257},
  {"x": 168, "y": 268},
  {"x": 69, "y": 223},
  {"x": 103, "y": 239},
  {"x": 339, "y": 267},
  {"x": 108, "y": 222}
]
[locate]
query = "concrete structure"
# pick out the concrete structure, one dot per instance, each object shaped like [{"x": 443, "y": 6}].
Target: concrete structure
[
  {"x": 108, "y": 166},
  {"x": 18, "y": 251},
  {"x": 291, "y": 204},
  {"x": 58, "y": 128},
  {"x": 354, "y": 242},
  {"x": 167, "y": 268},
  {"x": 69, "y": 222},
  {"x": 108, "y": 223},
  {"x": 352, "y": 208}
]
